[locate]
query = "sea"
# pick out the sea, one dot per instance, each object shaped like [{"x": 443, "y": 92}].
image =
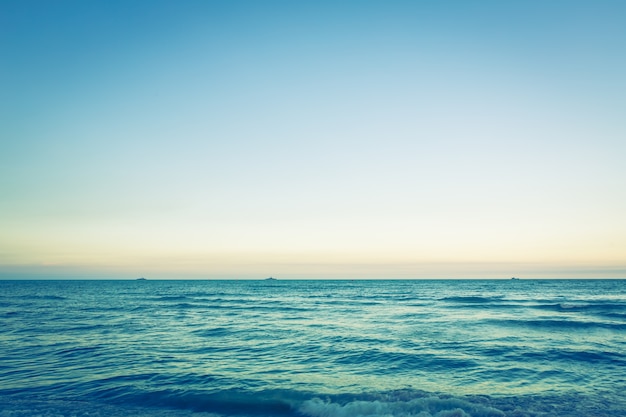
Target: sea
[{"x": 313, "y": 348}]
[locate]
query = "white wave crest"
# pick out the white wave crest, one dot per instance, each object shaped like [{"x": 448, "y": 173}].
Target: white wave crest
[{"x": 420, "y": 407}]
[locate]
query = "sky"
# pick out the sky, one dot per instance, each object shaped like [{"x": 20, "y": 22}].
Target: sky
[{"x": 312, "y": 139}]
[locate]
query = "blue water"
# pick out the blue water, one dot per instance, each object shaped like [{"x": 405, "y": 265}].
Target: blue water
[{"x": 313, "y": 348}]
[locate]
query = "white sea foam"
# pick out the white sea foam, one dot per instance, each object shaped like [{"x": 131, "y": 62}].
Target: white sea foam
[{"x": 420, "y": 407}]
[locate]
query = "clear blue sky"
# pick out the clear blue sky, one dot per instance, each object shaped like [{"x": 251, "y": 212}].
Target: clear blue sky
[{"x": 313, "y": 139}]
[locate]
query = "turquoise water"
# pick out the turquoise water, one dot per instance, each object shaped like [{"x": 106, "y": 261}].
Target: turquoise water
[{"x": 313, "y": 348}]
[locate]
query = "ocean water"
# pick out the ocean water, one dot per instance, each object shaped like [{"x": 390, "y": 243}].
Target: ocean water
[{"x": 313, "y": 348}]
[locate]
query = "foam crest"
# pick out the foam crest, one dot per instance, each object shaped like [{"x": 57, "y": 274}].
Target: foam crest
[{"x": 420, "y": 407}]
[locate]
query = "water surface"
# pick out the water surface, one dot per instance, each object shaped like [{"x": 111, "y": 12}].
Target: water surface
[{"x": 313, "y": 348}]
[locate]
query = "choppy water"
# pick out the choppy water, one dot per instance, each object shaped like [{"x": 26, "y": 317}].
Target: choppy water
[{"x": 313, "y": 348}]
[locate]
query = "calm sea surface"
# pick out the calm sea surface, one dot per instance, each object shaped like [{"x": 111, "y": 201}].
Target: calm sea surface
[{"x": 313, "y": 348}]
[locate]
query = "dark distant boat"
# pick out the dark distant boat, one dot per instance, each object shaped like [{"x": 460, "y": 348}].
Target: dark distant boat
[
  {"x": 141, "y": 279},
  {"x": 270, "y": 279},
  {"x": 515, "y": 278}
]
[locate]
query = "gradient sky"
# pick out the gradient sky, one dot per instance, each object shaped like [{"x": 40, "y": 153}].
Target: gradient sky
[{"x": 389, "y": 139}]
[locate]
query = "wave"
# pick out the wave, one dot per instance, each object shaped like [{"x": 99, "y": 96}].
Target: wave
[
  {"x": 401, "y": 361},
  {"x": 42, "y": 297},
  {"x": 582, "y": 306},
  {"x": 420, "y": 407},
  {"x": 470, "y": 299},
  {"x": 213, "y": 332},
  {"x": 171, "y": 298},
  {"x": 286, "y": 403},
  {"x": 576, "y": 355},
  {"x": 594, "y": 307},
  {"x": 74, "y": 352},
  {"x": 188, "y": 306},
  {"x": 600, "y": 309},
  {"x": 400, "y": 403},
  {"x": 561, "y": 324}
]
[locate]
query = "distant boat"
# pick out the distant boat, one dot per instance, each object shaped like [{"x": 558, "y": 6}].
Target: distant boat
[
  {"x": 270, "y": 279},
  {"x": 141, "y": 279},
  {"x": 514, "y": 278}
]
